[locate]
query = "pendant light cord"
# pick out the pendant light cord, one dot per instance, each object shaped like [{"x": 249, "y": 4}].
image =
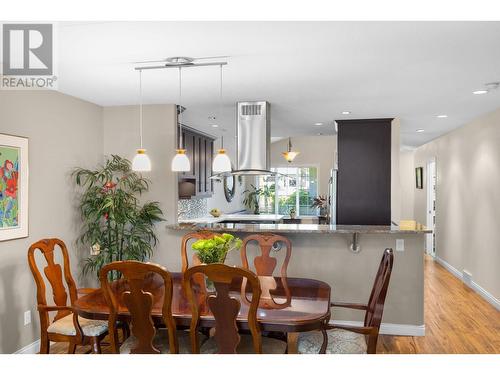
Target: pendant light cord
[
  {"x": 220, "y": 108},
  {"x": 180, "y": 108},
  {"x": 140, "y": 106}
]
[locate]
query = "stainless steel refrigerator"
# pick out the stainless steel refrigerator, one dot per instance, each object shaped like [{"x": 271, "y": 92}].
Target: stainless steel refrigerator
[{"x": 332, "y": 197}]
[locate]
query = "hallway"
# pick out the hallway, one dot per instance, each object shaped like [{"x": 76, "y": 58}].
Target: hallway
[{"x": 457, "y": 319}]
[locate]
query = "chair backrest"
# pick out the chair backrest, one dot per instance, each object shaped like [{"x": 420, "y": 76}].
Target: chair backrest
[
  {"x": 373, "y": 316},
  {"x": 224, "y": 308},
  {"x": 202, "y": 235},
  {"x": 265, "y": 264},
  {"x": 54, "y": 274},
  {"x": 139, "y": 303}
]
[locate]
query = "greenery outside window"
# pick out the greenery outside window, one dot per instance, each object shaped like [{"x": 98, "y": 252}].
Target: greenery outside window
[{"x": 282, "y": 193}]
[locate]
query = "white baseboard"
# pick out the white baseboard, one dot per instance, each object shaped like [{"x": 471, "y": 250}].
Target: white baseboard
[
  {"x": 32, "y": 348},
  {"x": 389, "y": 328},
  {"x": 490, "y": 298}
]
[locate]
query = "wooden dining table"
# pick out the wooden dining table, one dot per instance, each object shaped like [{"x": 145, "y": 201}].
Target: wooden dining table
[{"x": 308, "y": 309}]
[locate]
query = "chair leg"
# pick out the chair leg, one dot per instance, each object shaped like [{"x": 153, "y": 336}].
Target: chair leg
[
  {"x": 44, "y": 344},
  {"x": 95, "y": 343},
  {"x": 71, "y": 348},
  {"x": 125, "y": 330},
  {"x": 325, "y": 342},
  {"x": 292, "y": 339},
  {"x": 372, "y": 344}
]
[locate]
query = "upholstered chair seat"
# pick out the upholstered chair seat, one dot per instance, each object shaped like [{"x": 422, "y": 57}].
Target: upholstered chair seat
[
  {"x": 339, "y": 342},
  {"x": 65, "y": 326},
  {"x": 160, "y": 342},
  {"x": 269, "y": 346}
]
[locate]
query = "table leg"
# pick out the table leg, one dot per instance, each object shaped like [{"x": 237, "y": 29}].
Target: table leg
[{"x": 292, "y": 339}]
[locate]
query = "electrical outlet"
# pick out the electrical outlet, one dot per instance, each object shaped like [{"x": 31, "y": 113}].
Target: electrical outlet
[
  {"x": 27, "y": 317},
  {"x": 400, "y": 245}
]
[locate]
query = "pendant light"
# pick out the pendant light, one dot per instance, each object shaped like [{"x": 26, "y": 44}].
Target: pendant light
[
  {"x": 141, "y": 162},
  {"x": 289, "y": 155},
  {"x": 221, "y": 162},
  {"x": 180, "y": 162}
]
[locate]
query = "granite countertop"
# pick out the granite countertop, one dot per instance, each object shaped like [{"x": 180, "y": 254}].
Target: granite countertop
[
  {"x": 405, "y": 227},
  {"x": 231, "y": 217}
]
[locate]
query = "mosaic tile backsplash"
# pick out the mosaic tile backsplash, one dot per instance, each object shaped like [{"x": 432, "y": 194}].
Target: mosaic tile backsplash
[{"x": 192, "y": 208}]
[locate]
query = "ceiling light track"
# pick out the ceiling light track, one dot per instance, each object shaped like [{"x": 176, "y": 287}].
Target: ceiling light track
[{"x": 184, "y": 65}]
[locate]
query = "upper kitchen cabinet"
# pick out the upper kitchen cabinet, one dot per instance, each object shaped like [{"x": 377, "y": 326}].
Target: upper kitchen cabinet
[{"x": 199, "y": 149}]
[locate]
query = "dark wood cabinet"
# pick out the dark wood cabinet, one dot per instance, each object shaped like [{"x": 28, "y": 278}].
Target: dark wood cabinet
[
  {"x": 199, "y": 149},
  {"x": 364, "y": 172}
]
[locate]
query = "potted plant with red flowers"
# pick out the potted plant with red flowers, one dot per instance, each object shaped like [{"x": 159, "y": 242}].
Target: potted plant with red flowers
[
  {"x": 320, "y": 202},
  {"x": 116, "y": 225}
]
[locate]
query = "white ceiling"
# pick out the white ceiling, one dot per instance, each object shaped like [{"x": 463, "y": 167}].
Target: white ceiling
[{"x": 309, "y": 71}]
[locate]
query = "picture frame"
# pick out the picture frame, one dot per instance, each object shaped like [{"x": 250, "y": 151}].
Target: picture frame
[
  {"x": 419, "y": 177},
  {"x": 14, "y": 184}
]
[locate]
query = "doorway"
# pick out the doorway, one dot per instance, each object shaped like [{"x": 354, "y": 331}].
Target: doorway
[{"x": 430, "y": 247}]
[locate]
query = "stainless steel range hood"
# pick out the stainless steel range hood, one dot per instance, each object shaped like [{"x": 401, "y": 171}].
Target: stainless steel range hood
[{"x": 254, "y": 140}]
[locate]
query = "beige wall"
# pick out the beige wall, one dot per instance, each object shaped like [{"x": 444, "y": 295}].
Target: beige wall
[
  {"x": 407, "y": 176},
  {"x": 64, "y": 132},
  {"x": 468, "y": 198},
  {"x": 314, "y": 151}
]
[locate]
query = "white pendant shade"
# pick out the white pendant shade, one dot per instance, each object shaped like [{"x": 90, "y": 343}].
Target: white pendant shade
[
  {"x": 221, "y": 162},
  {"x": 141, "y": 162},
  {"x": 180, "y": 162},
  {"x": 290, "y": 155}
]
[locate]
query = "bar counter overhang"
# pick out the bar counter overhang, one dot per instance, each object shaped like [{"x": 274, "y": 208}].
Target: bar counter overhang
[
  {"x": 347, "y": 257},
  {"x": 408, "y": 227}
]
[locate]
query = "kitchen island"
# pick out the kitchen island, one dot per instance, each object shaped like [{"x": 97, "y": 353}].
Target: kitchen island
[{"x": 347, "y": 258}]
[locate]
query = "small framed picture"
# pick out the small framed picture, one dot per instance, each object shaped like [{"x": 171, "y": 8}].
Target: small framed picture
[
  {"x": 419, "y": 176},
  {"x": 13, "y": 187}
]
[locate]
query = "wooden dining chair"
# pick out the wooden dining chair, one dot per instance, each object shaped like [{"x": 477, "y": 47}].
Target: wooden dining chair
[
  {"x": 201, "y": 235},
  {"x": 338, "y": 339},
  {"x": 225, "y": 308},
  {"x": 66, "y": 325},
  {"x": 265, "y": 265},
  {"x": 145, "y": 338}
]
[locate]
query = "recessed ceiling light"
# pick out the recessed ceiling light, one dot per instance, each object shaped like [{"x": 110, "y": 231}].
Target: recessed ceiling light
[
  {"x": 480, "y": 92},
  {"x": 318, "y": 124},
  {"x": 215, "y": 126},
  {"x": 442, "y": 116},
  {"x": 346, "y": 112},
  {"x": 420, "y": 130}
]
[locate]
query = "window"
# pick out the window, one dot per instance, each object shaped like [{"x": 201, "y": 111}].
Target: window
[{"x": 281, "y": 193}]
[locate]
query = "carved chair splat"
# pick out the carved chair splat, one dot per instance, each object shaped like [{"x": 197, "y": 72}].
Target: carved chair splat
[
  {"x": 139, "y": 303},
  {"x": 265, "y": 265},
  {"x": 224, "y": 307}
]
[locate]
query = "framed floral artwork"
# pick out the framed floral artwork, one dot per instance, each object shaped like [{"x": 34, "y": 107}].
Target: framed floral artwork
[{"x": 13, "y": 187}]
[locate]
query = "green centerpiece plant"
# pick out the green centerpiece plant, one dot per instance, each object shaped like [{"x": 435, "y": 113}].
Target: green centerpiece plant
[
  {"x": 116, "y": 225},
  {"x": 215, "y": 250}
]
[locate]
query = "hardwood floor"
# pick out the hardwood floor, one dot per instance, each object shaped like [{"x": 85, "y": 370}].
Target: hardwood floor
[{"x": 457, "y": 320}]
